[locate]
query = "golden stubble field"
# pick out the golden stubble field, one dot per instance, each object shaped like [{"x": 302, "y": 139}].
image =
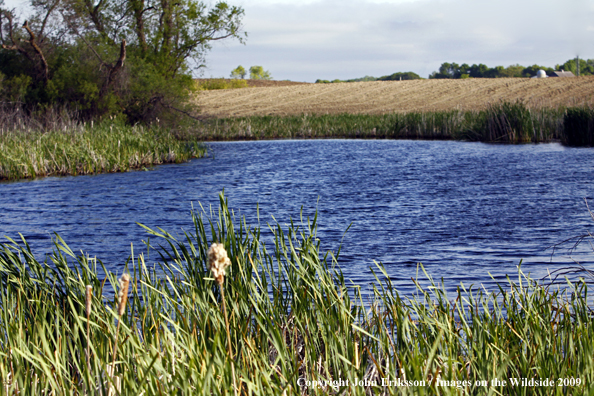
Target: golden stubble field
[{"x": 395, "y": 96}]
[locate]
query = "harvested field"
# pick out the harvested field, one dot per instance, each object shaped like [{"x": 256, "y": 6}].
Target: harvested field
[{"x": 380, "y": 97}]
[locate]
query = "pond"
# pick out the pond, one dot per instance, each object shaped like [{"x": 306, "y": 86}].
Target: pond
[{"x": 465, "y": 210}]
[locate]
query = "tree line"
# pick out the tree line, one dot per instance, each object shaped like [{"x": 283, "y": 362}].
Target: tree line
[
  {"x": 391, "y": 77},
  {"x": 129, "y": 58},
  {"x": 454, "y": 70}
]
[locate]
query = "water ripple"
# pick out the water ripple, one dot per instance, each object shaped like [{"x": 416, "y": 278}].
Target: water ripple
[{"x": 465, "y": 210}]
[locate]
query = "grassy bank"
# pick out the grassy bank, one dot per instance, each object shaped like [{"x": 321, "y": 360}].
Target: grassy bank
[
  {"x": 283, "y": 321},
  {"x": 504, "y": 122},
  {"x": 78, "y": 149},
  {"x": 58, "y": 145}
]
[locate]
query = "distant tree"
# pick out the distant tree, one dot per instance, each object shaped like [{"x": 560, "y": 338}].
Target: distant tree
[
  {"x": 586, "y": 69},
  {"x": 361, "y": 79},
  {"x": 258, "y": 73},
  {"x": 495, "y": 72},
  {"x": 447, "y": 70},
  {"x": 238, "y": 72},
  {"x": 512, "y": 71},
  {"x": 464, "y": 70},
  {"x": 478, "y": 71},
  {"x": 401, "y": 76},
  {"x": 531, "y": 71}
]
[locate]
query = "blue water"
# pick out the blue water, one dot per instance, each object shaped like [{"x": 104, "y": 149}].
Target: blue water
[{"x": 465, "y": 210}]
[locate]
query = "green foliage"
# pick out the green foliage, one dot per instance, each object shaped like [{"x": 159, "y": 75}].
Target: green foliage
[
  {"x": 293, "y": 318},
  {"x": 130, "y": 57},
  {"x": 512, "y": 71},
  {"x": 258, "y": 73},
  {"x": 586, "y": 67},
  {"x": 220, "y": 83},
  {"x": 401, "y": 76},
  {"x": 238, "y": 72},
  {"x": 15, "y": 89},
  {"x": 453, "y": 70}
]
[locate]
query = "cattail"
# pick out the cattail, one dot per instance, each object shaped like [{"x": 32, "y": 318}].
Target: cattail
[
  {"x": 218, "y": 261},
  {"x": 123, "y": 294},
  {"x": 122, "y": 299},
  {"x": 89, "y": 295}
]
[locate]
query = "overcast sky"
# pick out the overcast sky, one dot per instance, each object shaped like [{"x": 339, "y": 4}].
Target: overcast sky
[
  {"x": 310, "y": 39},
  {"x": 328, "y": 39}
]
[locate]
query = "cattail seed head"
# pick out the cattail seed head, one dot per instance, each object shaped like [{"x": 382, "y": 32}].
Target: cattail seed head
[
  {"x": 218, "y": 261},
  {"x": 123, "y": 294},
  {"x": 89, "y": 295}
]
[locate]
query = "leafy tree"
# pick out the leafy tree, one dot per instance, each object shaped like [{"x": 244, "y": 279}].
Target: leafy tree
[
  {"x": 258, "y": 73},
  {"x": 478, "y": 71},
  {"x": 238, "y": 72},
  {"x": 447, "y": 70},
  {"x": 512, "y": 71},
  {"x": 120, "y": 56}
]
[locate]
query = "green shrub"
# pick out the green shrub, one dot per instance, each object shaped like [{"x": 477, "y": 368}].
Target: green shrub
[
  {"x": 77, "y": 56},
  {"x": 221, "y": 83}
]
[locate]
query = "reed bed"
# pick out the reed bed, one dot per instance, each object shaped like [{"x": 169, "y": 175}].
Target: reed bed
[
  {"x": 279, "y": 320},
  {"x": 504, "y": 122},
  {"x": 89, "y": 149},
  {"x": 579, "y": 127}
]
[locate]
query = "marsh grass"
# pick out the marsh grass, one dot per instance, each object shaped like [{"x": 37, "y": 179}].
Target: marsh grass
[
  {"x": 293, "y": 319},
  {"x": 502, "y": 122},
  {"x": 579, "y": 127},
  {"x": 90, "y": 149},
  {"x": 220, "y": 83}
]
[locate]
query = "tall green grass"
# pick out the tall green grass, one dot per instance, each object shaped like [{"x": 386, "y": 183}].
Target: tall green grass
[
  {"x": 503, "y": 122},
  {"x": 90, "y": 149},
  {"x": 294, "y": 322},
  {"x": 579, "y": 127}
]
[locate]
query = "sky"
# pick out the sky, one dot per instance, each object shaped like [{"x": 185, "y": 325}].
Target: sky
[{"x": 328, "y": 39}]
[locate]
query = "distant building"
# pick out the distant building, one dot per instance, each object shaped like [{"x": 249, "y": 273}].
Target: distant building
[
  {"x": 562, "y": 73},
  {"x": 541, "y": 74}
]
